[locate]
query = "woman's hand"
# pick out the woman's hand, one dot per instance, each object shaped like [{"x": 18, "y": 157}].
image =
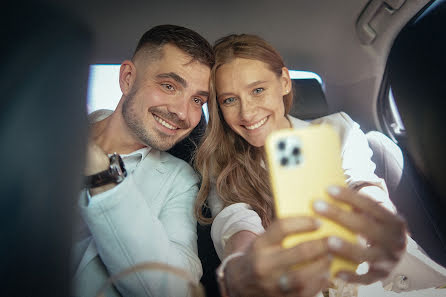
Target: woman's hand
[
  {"x": 384, "y": 231},
  {"x": 267, "y": 269}
]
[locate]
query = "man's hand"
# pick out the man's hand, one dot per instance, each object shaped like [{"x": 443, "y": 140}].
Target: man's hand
[{"x": 97, "y": 161}]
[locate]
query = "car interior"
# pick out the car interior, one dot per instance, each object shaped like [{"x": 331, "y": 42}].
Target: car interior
[{"x": 380, "y": 61}]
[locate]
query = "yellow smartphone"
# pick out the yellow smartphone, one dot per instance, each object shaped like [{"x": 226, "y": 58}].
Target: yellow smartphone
[{"x": 302, "y": 164}]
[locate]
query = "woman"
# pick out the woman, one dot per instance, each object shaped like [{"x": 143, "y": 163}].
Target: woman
[{"x": 251, "y": 97}]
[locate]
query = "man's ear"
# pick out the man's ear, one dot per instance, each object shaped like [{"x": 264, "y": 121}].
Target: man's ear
[
  {"x": 285, "y": 80},
  {"x": 127, "y": 76}
]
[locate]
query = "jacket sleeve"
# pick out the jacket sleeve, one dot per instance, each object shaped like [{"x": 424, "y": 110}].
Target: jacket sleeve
[{"x": 127, "y": 231}]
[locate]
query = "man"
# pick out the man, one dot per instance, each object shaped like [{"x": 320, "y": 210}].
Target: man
[{"x": 147, "y": 214}]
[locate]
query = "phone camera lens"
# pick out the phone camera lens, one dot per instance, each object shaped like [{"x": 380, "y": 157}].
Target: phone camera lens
[
  {"x": 284, "y": 161},
  {"x": 281, "y": 145},
  {"x": 296, "y": 151}
]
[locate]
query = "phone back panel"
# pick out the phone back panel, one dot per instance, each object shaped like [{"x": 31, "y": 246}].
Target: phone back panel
[{"x": 302, "y": 164}]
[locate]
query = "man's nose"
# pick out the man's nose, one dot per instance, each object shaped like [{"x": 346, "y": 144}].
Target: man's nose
[{"x": 179, "y": 107}]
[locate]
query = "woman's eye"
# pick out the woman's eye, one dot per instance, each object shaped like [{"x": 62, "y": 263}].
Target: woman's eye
[
  {"x": 168, "y": 87},
  {"x": 229, "y": 100},
  {"x": 257, "y": 91}
]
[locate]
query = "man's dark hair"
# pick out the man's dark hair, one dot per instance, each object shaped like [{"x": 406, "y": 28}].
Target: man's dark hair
[{"x": 185, "y": 39}]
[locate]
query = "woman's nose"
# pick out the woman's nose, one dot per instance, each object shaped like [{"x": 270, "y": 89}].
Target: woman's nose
[{"x": 247, "y": 110}]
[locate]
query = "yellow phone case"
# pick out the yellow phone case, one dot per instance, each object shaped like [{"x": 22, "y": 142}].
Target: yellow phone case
[{"x": 302, "y": 164}]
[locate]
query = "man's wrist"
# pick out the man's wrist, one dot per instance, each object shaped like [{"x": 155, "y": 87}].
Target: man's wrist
[
  {"x": 114, "y": 174},
  {"x": 101, "y": 189}
]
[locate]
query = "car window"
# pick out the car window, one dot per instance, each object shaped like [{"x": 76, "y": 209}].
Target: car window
[{"x": 104, "y": 92}]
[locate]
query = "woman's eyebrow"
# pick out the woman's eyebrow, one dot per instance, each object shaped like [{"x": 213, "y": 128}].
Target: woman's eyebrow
[
  {"x": 250, "y": 85},
  {"x": 224, "y": 94},
  {"x": 255, "y": 83}
]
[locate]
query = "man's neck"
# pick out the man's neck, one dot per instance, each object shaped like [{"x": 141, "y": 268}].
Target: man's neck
[{"x": 113, "y": 135}]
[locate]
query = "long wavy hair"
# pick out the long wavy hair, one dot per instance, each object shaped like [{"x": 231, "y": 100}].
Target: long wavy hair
[{"x": 224, "y": 157}]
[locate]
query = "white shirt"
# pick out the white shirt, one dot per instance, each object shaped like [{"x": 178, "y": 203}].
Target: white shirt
[{"x": 356, "y": 162}]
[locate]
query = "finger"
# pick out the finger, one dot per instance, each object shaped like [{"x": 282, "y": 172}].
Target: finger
[
  {"x": 362, "y": 224},
  {"x": 357, "y": 253},
  {"x": 299, "y": 254},
  {"x": 365, "y": 204},
  {"x": 315, "y": 286},
  {"x": 300, "y": 278},
  {"x": 281, "y": 228},
  {"x": 368, "y": 278}
]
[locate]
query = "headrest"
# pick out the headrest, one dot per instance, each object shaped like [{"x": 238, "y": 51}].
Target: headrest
[
  {"x": 416, "y": 66},
  {"x": 309, "y": 99}
]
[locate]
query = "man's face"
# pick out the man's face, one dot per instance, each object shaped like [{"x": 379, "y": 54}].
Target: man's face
[{"x": 164, "y": 104}]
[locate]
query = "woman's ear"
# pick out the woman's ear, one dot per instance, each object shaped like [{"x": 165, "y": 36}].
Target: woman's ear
[
  {"x": 127, "y": 76},
  {"x": 286, "y": 81}
]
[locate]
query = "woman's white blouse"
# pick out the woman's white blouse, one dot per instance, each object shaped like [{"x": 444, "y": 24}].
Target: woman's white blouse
[
  {"x": 358, "y": 169},
  {"x": 356, "y": 162}
]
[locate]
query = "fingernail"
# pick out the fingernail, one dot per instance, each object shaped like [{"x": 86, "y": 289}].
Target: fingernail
[
  {"x": 320, "y": 206},
  {"x": 317, "y": 223},
  {"x": 343, "y": 276},
  {"x": 334, "y": 243},
  {"x": 333, "y": 190},
  {"x": 330, "y": 257},
  {"x": 384, "y": 265}
]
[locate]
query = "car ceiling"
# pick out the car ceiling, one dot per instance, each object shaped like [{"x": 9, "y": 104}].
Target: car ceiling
[{"x": 314, "y": 35}]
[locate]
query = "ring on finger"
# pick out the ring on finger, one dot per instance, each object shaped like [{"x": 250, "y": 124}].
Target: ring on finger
[{"x": 284, "y": 283}]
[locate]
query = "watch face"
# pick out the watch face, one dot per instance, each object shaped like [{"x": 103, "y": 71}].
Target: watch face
[{"x": 117, "y": 168}]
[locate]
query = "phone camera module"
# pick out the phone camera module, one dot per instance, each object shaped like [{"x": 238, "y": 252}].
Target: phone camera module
[{"x": 289, "y": 152}]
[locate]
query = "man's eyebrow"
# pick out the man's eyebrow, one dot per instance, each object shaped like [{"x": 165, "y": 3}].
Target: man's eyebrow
[
  {"x": 175, "y": 77},
  {"x": 203, "y": 93}
]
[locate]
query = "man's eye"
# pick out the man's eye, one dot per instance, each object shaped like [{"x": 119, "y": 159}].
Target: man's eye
[
  {"x": 198, "y": 101},
  {"x": 257, "y": 91},
  {"x": 168, "y": 87},
  {"x": 229, "y": 100}
]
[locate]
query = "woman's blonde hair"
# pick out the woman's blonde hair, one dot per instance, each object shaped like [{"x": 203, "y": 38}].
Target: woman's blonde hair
[{"x": 224, "y": 157}]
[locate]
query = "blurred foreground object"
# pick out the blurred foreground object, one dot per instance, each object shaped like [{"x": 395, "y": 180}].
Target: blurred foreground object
[{"x": 43, "y": 133}]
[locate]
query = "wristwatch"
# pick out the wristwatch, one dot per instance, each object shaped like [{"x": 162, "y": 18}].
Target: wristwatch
[{"x": 114, "y": 174}]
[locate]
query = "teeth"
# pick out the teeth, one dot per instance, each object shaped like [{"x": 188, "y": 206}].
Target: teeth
[
  {"x": 164, "y": 123},
  {"x": 257, "y": 125}
]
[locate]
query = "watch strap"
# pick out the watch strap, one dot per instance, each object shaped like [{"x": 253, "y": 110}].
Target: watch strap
[
  {"x": 114, "y": 174},
  {"x": 99, "y": 179}
]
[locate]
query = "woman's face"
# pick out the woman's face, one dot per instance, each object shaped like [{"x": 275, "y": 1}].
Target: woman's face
[{"x": 250, "y": 97}]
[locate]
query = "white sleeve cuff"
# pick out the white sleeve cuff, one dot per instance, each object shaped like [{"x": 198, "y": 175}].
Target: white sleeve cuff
[{"x": 232, "y": 219}]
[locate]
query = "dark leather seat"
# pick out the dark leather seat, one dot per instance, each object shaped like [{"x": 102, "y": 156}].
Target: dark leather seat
[
  {"x": 416, "y": 66},
  {"x": 206, "y": 251},
  {"x": 408, "y": 190},
  {"x": 410, "y": 194}
]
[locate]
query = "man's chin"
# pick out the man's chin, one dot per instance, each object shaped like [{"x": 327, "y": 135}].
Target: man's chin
[{"x": 166, "y": 143}]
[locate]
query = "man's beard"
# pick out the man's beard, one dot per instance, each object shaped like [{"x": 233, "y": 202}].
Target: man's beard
[{"x": 152, "y": 139}]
